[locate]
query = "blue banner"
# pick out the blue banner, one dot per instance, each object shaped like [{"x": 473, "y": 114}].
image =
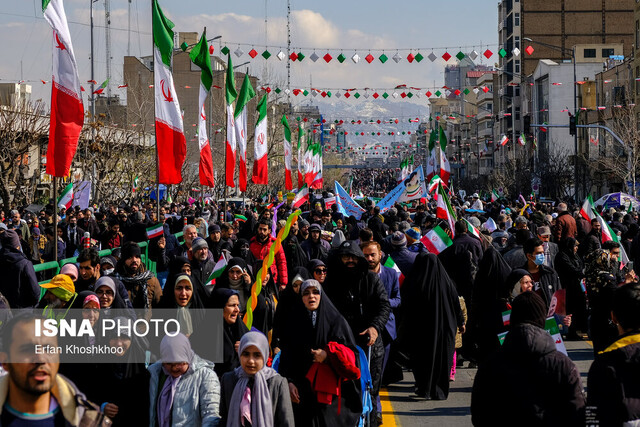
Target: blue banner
[
  {"x": 346, "y": 205},
  {"x": 390, "y": 199}
]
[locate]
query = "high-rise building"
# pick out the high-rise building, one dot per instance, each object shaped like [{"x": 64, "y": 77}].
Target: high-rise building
[{"x": 557, "y": 30}]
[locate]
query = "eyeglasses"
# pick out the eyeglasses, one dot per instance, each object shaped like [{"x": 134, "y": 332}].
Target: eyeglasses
[
  {"x": 108, "y": 292},
  {"x": 320, "y": 270},
  {"x": 313, "y": 291}
]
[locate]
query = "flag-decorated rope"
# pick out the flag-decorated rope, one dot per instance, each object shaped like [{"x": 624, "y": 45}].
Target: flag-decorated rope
[{"x": 266, "y": 264}]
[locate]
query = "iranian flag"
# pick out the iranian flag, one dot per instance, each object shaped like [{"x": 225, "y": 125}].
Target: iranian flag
[
  {"x": 260, "y": 174},
  {"x": 66, "y": 197},
  {"x": 288, "y": 182},
  {"x": 67, "y": 112},
  {"x": 404, "y": 170},
  {"x": 317, "y": 179},
  {"x": 301, "y": 197},
  {"x": 217, "y": 270},
  {"x": 472, "y": 230},
  {"x": 390, "y": 263},
  {"x": 494, "y": 196},
  {"x": 240, "y": 116},
  {"x": 503, "y": 140},
  {"x": 432, "y": 160},
  {"x": 607, "y": 235},
  {"x": 436, "y": 240},
  {"x": 444, "y": 209},
  {"x": 300, "y": 158},
  {"x": 329, "y": 201},
  {"x": 102, "y": 87},
  {"x": 200, "y": 56},
  {"x": 309, "y": 173},
  {"x": 433, "y": 184},
  {"x": 587, "y": 209},
  {"x": 230, "y": 96},
  {"x": 135, "y": 184},
  {"x": 522, "y": 140},
  {"x": 155, "y": 231},
  {"x": 170, "y": 141},
  {"x": 445, "y": 167}
]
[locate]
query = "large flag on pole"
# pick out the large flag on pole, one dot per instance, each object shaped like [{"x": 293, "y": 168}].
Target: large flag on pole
[
  {"x": 318, "y": 182},
  {"x": 240, "y": 115},
  {"x": 230, "y": 96},
  {"x": 260, "y": 174},
  {"x": 301, "y": 197},
  {"x": 432, "y": 160},
  {"x": 300, "y": 158},
  {"x": 67, "y": 112},
  {"x": 170, "y": 141},
  {"x": 445, "y": 167},
  {"x": 288, "y": 182},
  {"x": 200, "y": 56}
]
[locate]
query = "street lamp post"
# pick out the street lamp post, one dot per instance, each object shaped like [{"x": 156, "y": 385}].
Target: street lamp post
[{"x": 575, "y": 107}]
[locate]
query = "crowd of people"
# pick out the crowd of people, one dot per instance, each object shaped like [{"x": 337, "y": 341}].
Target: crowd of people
[{"x": 345, "y": 306}]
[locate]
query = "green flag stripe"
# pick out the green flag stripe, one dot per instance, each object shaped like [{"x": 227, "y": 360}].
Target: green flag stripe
[
  {"x": 230, "y": 94},
  {"x": 162, "y": 34},
  {"x": 246, "y": 93},
  {"x": 287, "y": 129},
  {"x": 262, "y": 108},
  {"x": 200, "y": 56}
]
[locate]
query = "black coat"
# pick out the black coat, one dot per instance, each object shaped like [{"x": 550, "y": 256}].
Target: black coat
[
  {"x": 549, "y": 283},
  {"x": 18, "y": 282},
  {"x": 528, "y": 383},
  {"x": 613, "y": 384},
  {"x": 461, "y": 262}
]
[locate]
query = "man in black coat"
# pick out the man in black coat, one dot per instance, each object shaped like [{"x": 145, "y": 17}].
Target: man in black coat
[
  {"x": 18, "y": 282},
  {"x": 360, "y": 297},
  {"x": 461, "y": 259},
  {"x": 72, "y": 236}
]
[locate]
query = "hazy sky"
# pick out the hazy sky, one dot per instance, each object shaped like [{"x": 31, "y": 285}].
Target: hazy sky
[{"x": 346, "y": 26}]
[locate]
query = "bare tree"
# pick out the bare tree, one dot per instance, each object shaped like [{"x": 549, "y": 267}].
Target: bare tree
[{"x": 23, "y": 132}]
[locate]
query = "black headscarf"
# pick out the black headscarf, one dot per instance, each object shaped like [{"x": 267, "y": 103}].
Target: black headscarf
[
  {"x": 528, "y": 307},
  {"x": 247, "y": 228},
  {"x": 232, "y": 333},
  {"x": 288, "y": 300},
  {"x": 431, "y": 311},
  {"x": 236, "y": 251},
  {"x": 490, "y": 290},
  {"x": 293, "y": 252}
]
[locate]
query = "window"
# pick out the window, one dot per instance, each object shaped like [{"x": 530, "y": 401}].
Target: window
[
  {"x": 516, "y": 19},
  {"x": 517, "y": 41},
  {"x": 589, "y": 53},
  {"x": 517, "y": 67},
  {"x": 517, "y": 90},
  {"x": 517, "y": 113},
  {"x": 607, "y": 52}
]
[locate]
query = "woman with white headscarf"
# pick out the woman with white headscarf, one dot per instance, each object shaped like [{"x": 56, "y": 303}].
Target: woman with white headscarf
[
  {"x": 184, "y": 389},
  {"x": 254, "y": 394}
]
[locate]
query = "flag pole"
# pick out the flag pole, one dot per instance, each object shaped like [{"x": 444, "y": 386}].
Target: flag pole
[
  {"x": 55, "y": 218},
  {"x": 155, "y": 134}
]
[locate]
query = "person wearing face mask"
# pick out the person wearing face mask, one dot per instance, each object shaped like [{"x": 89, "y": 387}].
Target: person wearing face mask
[
  {"x": 545, "y": 279},
  {"x": 89, "y": 271},
  {"x": 241, "y": 249}
]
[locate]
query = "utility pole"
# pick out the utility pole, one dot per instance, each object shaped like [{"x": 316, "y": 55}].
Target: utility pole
[{"x": 107, "y": 39}]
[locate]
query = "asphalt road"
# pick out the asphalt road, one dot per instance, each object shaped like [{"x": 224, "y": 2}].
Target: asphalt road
[{"x": 400, "y": 408}]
